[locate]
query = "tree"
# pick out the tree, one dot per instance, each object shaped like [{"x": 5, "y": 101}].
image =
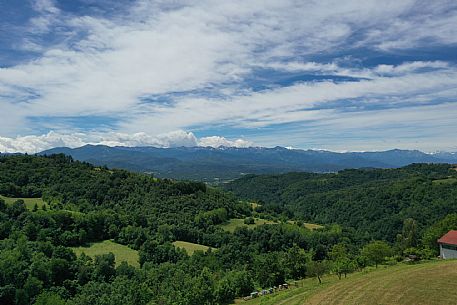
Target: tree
[
  {"x": 49, "y": 298},
  {"x": 202, "y": 291},
  {"x": 342, "y": 264},
  {"x": 249, "y": 221},
  {"x": 17, "y": 208},
  {"x": 295, "y": 260},
  {"x": 318, "y": 269},
  {"x": 432, "y": 234},
  {"x": 32, "y": 287},
  {"x": 3, "y": 205},
  {"x": 268, "y": 269},
  {"x": 377, "y": 251},
  {"x": 155, "y": 253},
  {"x": 124, "y": 269},
  {"x": 409, "y": 237},
  {"x": 104, "y": 267}
]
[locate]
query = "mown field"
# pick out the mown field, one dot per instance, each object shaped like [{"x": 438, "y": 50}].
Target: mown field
[
  {"x": 29, "y": 202},
  {"x": 121, "y": 252},
  {"x": 232, "y": 224},
  {"x": 190, "y": 247},
  {"x": 421, "y": 284}
]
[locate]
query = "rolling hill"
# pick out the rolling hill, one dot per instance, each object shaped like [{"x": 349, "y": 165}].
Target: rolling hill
[{"x": 375, "y": 202}]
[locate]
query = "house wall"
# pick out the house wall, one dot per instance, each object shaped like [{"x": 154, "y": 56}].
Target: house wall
[{"x": 446, "y": 253}]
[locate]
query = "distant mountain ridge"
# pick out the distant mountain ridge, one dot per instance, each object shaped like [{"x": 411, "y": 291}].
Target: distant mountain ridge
[{"x": 225, "y": 163}]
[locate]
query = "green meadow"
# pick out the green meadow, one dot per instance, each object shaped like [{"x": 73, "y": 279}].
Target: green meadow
[
  {"x": 29, "y": 202},
  {"x": 190, "y": 247},
  {"x": 121, "y": 252}
]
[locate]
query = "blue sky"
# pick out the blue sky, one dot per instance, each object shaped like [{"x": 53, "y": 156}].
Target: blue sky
[{"x": 336, "y": 75}]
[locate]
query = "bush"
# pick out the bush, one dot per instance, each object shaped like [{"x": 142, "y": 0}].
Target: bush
[{"x": 249, "y": 221}]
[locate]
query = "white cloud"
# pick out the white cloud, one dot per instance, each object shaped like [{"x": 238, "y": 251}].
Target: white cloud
[
  {"x": 158, "y": 48},
  {"x": 298, "y": 102},
  {"x": 216, "y": 141},
  {"x": 33, "y": 144},
  {"x": 178, "y": 138},
  {"x": 409, "y": 67},
  {"x": 104, "y": 66},
  {"x": 311, "y": 66},
  {"x": 48, "y": 15}
]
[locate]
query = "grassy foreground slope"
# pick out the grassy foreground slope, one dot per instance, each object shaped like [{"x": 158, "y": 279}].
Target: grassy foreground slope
[{"x": 427, "y": 283}]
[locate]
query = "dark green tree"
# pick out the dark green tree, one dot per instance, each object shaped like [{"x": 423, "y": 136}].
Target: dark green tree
[{"x": 377, "y": 251}]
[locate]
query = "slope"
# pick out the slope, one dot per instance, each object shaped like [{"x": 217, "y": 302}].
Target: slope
[{"x": 427, "y": 283}]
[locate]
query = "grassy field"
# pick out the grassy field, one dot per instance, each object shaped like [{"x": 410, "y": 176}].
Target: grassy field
[
  {"x": 311, "y": 226},
  {"x": 421, "y": 284},
  {"x": 190, "y": 247},
  {"x": 121, "y": 252},
  {"x": 232, "y": 224},
  {"x": 29, "y": 202}
]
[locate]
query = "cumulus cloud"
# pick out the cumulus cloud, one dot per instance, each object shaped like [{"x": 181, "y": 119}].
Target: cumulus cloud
[
  {"x": 216, "y": 141},
  {"x": 34, "y": 144},
  {"x": 178, "y": 138}
]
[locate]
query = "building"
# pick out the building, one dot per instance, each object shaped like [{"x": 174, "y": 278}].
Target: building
[{"x": 448, "y": 245}]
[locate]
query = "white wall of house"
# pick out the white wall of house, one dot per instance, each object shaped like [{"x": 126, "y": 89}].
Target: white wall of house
[{"x": 448, "y": 252}]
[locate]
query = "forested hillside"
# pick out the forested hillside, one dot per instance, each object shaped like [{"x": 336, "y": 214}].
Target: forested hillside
[
  {"x": 188, "y": 243},
  {"x": 375, "y": 202},
  {"x": 83, "y": 204}
]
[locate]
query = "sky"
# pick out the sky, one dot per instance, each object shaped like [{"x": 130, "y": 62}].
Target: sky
[{"x": 335, "y": 75}]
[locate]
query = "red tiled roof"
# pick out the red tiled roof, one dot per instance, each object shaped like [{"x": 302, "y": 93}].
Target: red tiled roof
[{"x": 450, "y": 238}]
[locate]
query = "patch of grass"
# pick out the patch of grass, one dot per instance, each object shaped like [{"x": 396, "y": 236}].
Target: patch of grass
[
  {"x": 426, "y": 283},
  {"x": 449, "y": 180},
  {"x": 122, "y": 253},
  {"x": 190, "y": 247},
  {"x": 232, "y": 224},
  {"x": 311, "y": 226},
  {"x": 29, "y": 202}
]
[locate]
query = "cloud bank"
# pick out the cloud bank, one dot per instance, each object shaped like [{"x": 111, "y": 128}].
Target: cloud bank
[{"x": 179, "y": 138}]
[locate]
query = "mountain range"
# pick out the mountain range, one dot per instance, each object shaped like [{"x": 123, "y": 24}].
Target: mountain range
[{"x": 225, "y": 163}]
